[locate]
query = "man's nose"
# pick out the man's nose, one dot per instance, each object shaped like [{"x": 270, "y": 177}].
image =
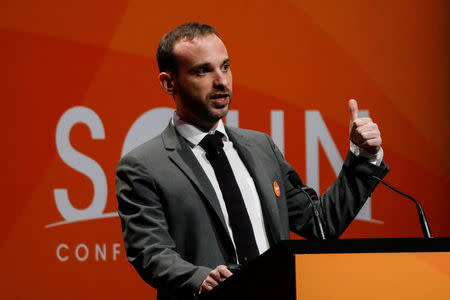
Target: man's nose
[{"x": 220, "y": 80}]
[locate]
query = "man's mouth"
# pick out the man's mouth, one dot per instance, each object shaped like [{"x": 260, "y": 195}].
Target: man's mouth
[{"x": 220, "y": 99}]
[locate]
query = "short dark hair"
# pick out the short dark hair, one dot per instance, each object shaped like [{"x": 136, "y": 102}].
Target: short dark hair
[{"x": 164, "y": 55}]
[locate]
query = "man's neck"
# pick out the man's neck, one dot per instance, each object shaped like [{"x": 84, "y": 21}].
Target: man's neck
[
  {"x": 204, "y": 126},
  {"x": 193, "y": 133}
]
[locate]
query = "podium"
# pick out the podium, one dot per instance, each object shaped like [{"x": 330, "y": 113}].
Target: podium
[{"x": 344, "y": 269}]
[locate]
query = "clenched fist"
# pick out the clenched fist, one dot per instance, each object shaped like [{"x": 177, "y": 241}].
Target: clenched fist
[{"x": 363, "y": 131}]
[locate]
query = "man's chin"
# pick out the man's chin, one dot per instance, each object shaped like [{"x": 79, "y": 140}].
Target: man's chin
[{"x": 219, "y": 113}]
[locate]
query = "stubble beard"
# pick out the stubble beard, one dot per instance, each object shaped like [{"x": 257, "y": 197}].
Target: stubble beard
[
  {"x": 201, "y": 113},
  {"x": 219, "y": 115}
]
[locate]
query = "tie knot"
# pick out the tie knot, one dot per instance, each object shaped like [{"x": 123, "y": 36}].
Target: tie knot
[{"x": 212, "y": 144}]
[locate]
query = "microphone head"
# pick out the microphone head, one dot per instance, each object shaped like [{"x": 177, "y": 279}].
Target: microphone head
[{"x": 295, "y": 179}]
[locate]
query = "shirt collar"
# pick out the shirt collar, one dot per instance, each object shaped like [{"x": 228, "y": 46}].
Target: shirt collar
[{"x": 193, "y": 134}]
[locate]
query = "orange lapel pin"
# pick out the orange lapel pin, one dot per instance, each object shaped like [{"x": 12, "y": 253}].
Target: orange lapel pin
[{"x": 276, "y": 188}]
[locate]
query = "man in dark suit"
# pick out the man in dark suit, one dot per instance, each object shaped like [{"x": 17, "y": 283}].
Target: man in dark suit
[{"x": 203, "y": 195}]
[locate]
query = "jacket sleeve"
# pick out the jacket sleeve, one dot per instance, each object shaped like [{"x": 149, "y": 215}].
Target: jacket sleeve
[
  {"x": 339, "y": 205},
  {"x": 148, "y": 243}
]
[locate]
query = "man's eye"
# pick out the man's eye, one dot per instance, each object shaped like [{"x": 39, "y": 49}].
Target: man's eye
[
  {"x": 202, "y": 71},
  {"x": 226, "y": 67}
]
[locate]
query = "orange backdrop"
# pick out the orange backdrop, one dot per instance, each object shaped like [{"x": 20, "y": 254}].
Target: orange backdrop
[{"x": 93, "y": 63}]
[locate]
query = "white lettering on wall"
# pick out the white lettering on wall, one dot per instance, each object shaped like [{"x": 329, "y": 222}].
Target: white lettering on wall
[
  {"x": 80, "y": 163},
  {"x": 147, "y": 126},
  {"x": 116, "y": 251},
  {"x": 100, "y": 252},
  {"x": 85, "y": 250},
  {"x": 58, "y": 252},
  {"x": 317, "y": 131},
  {"x": 277, "y": 128}
]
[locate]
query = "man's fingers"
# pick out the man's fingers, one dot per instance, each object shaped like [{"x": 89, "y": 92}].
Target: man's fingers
[
  {"x": 220, "y": 273},
  {"x": 224, "y": 272},
  {"x": 216, "y": 276},
  {"x": 370, "y": 135},
  {"x": 205, "y": 288},
  {"x": 374, "y": 143},
  {"x": 208, "y": 284},
  {"x": 353, "y": 106},
  {"x": 366, "y": 128},
  {"x": 210, "y": 281},
  {"x": 362, "y": 121}
]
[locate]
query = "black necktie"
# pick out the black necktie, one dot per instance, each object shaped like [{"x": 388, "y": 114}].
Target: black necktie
[{"x": 244, "y": 237}]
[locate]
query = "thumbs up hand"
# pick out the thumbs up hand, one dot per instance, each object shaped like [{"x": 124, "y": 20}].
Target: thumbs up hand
[{"x": 363, "y": 131}]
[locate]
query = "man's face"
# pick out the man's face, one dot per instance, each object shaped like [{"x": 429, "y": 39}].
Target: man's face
[{"x": 203, "y": 83}]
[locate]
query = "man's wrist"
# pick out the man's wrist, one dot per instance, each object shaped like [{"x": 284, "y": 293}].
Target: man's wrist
[{"x": 375, "y": 159}]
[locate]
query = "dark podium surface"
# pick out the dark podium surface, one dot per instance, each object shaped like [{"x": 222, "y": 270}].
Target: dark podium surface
[{"x": 273, "y": 275}]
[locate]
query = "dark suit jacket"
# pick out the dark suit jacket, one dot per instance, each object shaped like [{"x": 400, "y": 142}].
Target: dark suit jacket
[{"x": 173, "y": 228}]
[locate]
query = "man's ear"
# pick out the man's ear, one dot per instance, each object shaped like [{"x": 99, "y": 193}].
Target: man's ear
[{"x": 166, "y": 80}]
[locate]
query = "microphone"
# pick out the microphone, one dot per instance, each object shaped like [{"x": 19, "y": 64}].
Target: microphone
[
  {"x": 422, "y": 218},
  {"x": 297, "y": 182}
]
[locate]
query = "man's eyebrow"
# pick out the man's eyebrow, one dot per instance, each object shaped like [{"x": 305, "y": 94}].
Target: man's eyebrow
[
  {"x": 200, "y": 66},
  {"x": 206, "y": 65}
]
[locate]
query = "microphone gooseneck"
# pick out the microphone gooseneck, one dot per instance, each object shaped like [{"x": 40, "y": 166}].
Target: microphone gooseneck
[
  {"x": 297, "y": 182},
  {"x": 422, "y": 218}
]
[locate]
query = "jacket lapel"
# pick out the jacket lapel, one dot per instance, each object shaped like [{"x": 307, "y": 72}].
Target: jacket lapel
[
  {"x": 263, "y": 182},
  {"x": 182, "y": 156}
]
